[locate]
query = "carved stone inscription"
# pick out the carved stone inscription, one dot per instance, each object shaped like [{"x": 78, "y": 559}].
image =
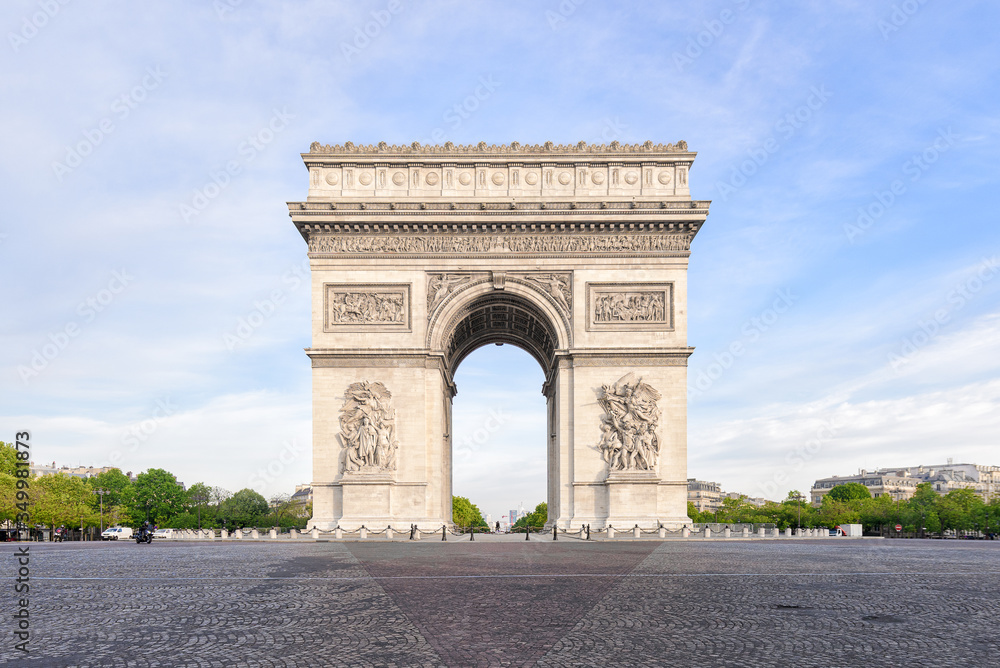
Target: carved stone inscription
[
  {"x": 353, "y": 307},
  {"x": 628, "y": 427},
  {"x": 495, "y": 243},
  {"x": 630, "y": 306},
  {"x": 368, "y": 429}
]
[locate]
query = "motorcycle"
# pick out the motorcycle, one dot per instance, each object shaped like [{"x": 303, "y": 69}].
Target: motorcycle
[
  {"x": 144, "y": 535},
  {"x": 61, "y": 534}
]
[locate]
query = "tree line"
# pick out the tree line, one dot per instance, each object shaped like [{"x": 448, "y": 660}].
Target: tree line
[
  {"x": 64, "y": 500},
  {"x": 960, "y": 511}
]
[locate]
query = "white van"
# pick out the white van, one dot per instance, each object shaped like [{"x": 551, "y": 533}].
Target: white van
[{"x": 116, "y": 533}]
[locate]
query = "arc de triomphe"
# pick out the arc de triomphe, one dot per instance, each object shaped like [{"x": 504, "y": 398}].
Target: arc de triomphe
[{"x": 576, "y": 254}]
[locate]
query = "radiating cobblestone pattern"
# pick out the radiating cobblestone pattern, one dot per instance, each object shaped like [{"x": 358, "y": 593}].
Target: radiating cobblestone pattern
[
  {"x": 497, "y": 621},
  {"x": 647, "y": 603},
  {"x": 802, "y": 603},
  {"x": 226, "y": 615}
]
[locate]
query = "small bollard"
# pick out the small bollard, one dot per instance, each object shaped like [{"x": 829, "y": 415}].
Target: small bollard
[
  {"x": 416, "y": 532},
  {"x": 443, "y": 529},
  {"x": 527, "y": 530},
  {"x": 315, "y": 532},
  {"x": 685, "y": 532},
  {"x": 663, "y": 531},
  {"x": 636, "y": 531},
  {"x": 774, "y": 532},
  {"x": 363, "y": 532},
  {"x": 588, "y": 532},
  {"x": 472, "y": 535},
  {"x": 611, "y": 531},
  {"x": 338, "y": 533},
  {"x": 726, "y": 533},
  {"x": 746, "y": 532},
  {"x": 760, "y": 531},
  {"x": 413, "y": 530},
  {"x": 272, "y": 534},
  {"x": 555, "y": 532},
  {"x": 293, "y": 534},
  {"x": 255, "y": 535},
  {"x": 708, "y": 532},
  {"x": 788, "y": 532},
  {"x": 388, "y": 532}
]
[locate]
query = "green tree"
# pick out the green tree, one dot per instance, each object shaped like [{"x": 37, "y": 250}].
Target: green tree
[
  {"x": 116, "y": 484},
  {"x": 535, "y": 519},
  {"x": 464, "y": 513},
  {"x": 61, "y": 499},
  {"x": 693, "y": 512},
  {"x": 924, "y": 497},
  {"x": 850, "y": 491},
  {"x": 157, "y": 492},
  {"x": 198, "y": 495},
  {"x": 8, "y": 458},
  {"x": 8, "y": 497},
  {"x": 959, "y": 509},
  {"x": 245, "y": 508}
]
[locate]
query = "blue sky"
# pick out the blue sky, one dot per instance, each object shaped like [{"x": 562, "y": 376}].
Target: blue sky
[{"x": 153, "y": 288}]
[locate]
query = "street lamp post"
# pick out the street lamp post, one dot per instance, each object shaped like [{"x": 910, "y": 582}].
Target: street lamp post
[{"x": 101, "y": 493}]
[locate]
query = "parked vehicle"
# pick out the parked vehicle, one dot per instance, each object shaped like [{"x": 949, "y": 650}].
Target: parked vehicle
[
  {"x": 115, "y": 533},
  {"x": 164, "y": 533}
]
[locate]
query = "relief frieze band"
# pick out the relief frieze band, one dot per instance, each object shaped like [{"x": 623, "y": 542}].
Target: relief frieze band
[
  {"x": 630, "y": 306},
  {"x": 499, "y": 243},
  {"x": 366, "y": 307}
]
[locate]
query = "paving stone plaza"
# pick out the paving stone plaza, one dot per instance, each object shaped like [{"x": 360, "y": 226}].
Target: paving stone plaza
[{"x": 507, "y": 602}]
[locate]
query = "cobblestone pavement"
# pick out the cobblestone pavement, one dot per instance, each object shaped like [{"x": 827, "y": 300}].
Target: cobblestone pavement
[{"x": 510, "y": 603}]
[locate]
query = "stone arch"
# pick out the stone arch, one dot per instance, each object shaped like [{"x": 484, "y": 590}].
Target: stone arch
[
  {"x": 507, "y": 244},
  {"x": 479, "y": 313}
]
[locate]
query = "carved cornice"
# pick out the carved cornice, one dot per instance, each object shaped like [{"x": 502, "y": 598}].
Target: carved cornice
[
  {"x": 482, "y": 149},
  {"x": 560, "y": 208}
]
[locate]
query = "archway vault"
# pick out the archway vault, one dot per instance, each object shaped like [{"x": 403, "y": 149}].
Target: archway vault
[{"x": 576, "y": 254}]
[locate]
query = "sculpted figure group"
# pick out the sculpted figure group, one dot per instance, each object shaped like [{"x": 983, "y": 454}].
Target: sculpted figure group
[
  {"x": 366, "y": 307},
  {"x": 368, "y": 429},
  {"x": 628, "y": 428},
  {"x": 630, "y": 307}
]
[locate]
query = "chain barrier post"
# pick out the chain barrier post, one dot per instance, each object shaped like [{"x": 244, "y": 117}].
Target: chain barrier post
[
  {"x": 555, "y": 536},
  {"x": 443, "y": 529},
  {"x": 588, "y": 532},
  {"x": 527, "y": 530},
  {"x": 472, "y": 535}
]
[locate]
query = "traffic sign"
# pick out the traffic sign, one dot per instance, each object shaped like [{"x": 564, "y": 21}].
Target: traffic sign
[{"x": 899, "y": 527}]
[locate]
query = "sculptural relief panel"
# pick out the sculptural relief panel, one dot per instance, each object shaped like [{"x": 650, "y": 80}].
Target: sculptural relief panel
[
  {"x": 629, "y": 441},
  {"x": 556, "y": 286},
  {"x": 630, "y": 306},
  {"x": 368, "y": 429},
  {"x": 366, "y": 307}
]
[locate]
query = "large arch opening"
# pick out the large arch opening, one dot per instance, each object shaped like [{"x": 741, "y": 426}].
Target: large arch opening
[
  {"x": 499, "y": 422},
  {"x": 501, "y": 429}
]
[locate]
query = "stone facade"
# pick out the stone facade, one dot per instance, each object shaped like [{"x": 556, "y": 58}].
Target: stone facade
[
  {"x": 901, "y": 483},
  {"x": 576, "y": 254}
]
